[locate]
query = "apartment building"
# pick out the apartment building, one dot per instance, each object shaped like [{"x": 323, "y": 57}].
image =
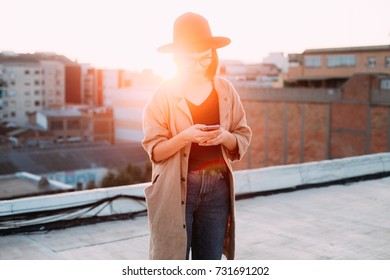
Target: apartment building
[
  {"x": 91, "y": 86},
  {"x": 79, "y": 123},
  {"x": 260, "y": 75},
  {"x": 53, "y": 80},
  {"x": 31, "y": 82},
  {"x": 279, "y": 59},
  {"x": 21, "y": 89},
  {"x": 97, "y": 84},
  {"x": 126, "y": 92},
  {"x": 331, "y": 67}
]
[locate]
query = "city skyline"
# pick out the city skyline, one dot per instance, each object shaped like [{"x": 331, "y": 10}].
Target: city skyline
[{"x": 126, "y": 34}]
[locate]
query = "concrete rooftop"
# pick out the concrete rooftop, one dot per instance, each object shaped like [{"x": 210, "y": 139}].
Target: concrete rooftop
[
  {"x": 335, "y": 222},
  {"x": 15, "y": 186},
  {"x": 24, "y": 184}
]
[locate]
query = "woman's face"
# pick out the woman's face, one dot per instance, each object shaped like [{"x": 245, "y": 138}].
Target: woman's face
[{"x": 195, "y": 64}]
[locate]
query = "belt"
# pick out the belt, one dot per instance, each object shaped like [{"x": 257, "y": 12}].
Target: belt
[{"x": 208, "y": 171}]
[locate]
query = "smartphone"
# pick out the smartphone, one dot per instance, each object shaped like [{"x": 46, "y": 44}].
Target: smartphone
[{"x": 211, "y": 127}]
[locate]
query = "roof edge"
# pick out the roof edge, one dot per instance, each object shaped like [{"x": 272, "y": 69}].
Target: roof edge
[{"x": 349, "y": 49}]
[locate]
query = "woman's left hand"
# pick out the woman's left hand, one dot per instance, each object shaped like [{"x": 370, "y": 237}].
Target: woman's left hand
[
  {"x": 224, "y": 137},
  {"x": 218, "y": 139}
]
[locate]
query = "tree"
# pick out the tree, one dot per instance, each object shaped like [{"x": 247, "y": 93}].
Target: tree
[
  {"x": 91, "y": 185},
  {"x": 131, "y": 174},
  {"x": 108, "y": 180}
]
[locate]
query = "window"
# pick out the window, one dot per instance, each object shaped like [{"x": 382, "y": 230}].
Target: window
[
  {"x": 36, "y": 92},
  {"x": 37, "y": 72},
  {"x": 27, "y": 93},
  {"x": 37, "y": 103},
  {"x": 371, "y": 61},
  {"x": 74, "y": 124},
  {"x": 13, "y": 114},
  {"x": 385, "y": 84},
  {"x": 56, "y": 125},
  {"x": 341, "y": 61},
  {"x": 36, "y": 82},
  {"x": 27, "y": 72},
  {"x": 387, "y": 61},
  {"x": 313, "y": 61}
]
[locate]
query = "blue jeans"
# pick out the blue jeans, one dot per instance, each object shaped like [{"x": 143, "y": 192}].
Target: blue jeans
[{"x": 207, "y": 210}]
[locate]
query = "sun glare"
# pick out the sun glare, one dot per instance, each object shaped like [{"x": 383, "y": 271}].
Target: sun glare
[
  {"x": 165, "y": 67},
  {"x": 132, "y": 30}
]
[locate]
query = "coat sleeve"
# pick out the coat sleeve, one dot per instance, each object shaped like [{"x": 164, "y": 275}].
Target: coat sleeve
[
  {"x": 155, "y": 123},
  {"x": 239, "y": 127}
]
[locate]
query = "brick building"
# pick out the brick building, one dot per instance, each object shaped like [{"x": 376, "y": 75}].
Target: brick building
[
  {"x": 333, "y": 66},
  {"x": 294, "y": 125}
]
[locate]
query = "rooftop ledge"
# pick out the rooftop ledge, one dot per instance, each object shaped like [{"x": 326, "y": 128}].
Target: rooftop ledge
[{"x": 35, "y": 213}]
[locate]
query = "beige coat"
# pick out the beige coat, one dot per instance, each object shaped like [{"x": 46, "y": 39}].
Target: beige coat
[{"x": 166, "y": 115}]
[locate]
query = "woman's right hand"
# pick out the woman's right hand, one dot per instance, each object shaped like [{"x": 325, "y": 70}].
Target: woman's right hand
[
  {"x": 193, "y": 134},
  {"x": 196, "y": 134}
]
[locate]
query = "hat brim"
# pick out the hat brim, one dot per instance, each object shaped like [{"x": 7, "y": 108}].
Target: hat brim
[{"x": 214, "y": 42}]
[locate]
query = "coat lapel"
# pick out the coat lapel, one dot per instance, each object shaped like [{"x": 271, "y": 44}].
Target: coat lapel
[{"x": 181, "y": 103}]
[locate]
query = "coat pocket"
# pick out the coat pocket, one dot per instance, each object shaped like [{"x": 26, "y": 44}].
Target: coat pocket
[{"x": 149, "y": 191}]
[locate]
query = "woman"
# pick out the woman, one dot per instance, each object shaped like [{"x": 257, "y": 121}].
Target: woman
[{"x": 191, "y": 199}]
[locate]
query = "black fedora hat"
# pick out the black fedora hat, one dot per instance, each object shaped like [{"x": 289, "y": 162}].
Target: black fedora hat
[{"x": 191, "y": 33}]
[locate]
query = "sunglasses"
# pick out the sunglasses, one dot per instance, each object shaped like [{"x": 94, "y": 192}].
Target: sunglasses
[{"x": 191, "y": 61}]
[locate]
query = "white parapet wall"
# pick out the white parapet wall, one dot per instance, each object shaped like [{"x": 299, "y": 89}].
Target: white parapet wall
[
  {"x": 76, "y": 199},
  {"x": 288, "y": 176},
  {"x": 247, "y": 182}
]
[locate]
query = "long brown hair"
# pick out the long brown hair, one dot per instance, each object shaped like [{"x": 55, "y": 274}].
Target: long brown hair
[{"x": 213, "y": 67}]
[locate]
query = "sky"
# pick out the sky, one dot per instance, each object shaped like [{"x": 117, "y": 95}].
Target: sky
[{"x": 126, "y": 33}]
